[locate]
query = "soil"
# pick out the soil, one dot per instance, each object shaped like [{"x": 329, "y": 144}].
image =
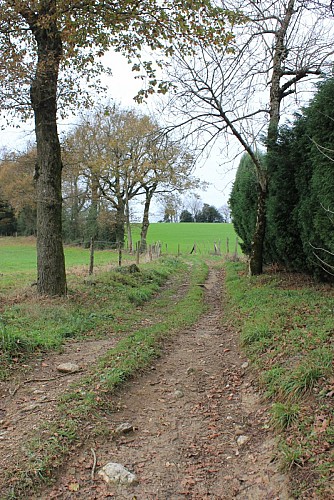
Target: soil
[{"x": 187, "y": 413}]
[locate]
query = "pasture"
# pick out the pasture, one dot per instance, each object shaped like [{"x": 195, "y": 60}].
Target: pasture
[
  {"x": 18, "y": 255},
  {"x": 186, "y": 234}
]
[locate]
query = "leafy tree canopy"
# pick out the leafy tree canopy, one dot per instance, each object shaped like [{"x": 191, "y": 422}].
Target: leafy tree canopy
[{"x": 80, "y": 32}]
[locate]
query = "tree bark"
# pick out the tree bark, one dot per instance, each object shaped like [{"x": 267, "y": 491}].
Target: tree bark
[
  {"x": 120, "y": 226},
  {"x": 94, "y": 208},
  {"x": 127, "y": 218},
  {"x": 145, "y": 222},
  {"x": 51, "y": 276},
  {"x": 256, "y": 257}
]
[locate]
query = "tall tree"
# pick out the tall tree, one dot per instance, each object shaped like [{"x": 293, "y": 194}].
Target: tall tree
[
  {"x": 209, "y": 213},
  {"x": 240, "y": 91},
  {"x": 45, "y": 46}
]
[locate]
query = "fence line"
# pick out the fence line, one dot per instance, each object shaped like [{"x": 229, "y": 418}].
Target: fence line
[{"x": 155, "y": 251}]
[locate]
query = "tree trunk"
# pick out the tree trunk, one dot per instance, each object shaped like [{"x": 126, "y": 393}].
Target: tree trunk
[
  {"x": 256, "y": 257},
  {"x": 120, "y": 230},
  {"x": 74, "y": 224},
  {"x": 127, "y": 220},
  {"x": 145, "y": 222},
  {"x": 51, "y": 276},
  {"x": 94, "y": 208}
]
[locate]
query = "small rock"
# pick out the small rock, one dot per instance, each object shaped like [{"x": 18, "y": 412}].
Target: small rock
[
  {"x": 190, "y": 370},
  {"x": 244, "y": 365},
  {"x": 3, "y": 434},
  {"x": 124, "y": 428},
  {"x": 242, "y": 440},
  {"x": 178, "y": 394},
  {"x": 68, "y": 368},
  {"x": 116, "y": 473}
]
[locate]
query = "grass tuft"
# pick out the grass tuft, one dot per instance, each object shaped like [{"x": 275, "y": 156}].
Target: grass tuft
[{"x": 284, "y": 415}]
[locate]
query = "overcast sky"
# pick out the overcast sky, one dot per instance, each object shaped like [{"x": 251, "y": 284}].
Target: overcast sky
[{"x": 122, "y": 88}]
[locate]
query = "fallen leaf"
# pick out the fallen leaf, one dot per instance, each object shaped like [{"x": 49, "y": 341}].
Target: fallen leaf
[{"x": 74, "y": 486}]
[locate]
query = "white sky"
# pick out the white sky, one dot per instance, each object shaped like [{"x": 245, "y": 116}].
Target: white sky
[{"x": 122, "y": 88}]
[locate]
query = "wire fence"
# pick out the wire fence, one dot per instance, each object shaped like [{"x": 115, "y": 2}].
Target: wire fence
[{"x": 153, "y": 251}]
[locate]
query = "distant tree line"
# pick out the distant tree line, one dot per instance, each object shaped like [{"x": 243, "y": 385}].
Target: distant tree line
[
  {"x": 300, "y": 204},
  {"x": 208, "y": 213},
  {"x": 190, "y": 208}
]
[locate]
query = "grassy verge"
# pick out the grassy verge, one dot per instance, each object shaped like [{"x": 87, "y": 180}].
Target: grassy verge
[
  {"x": 82, "y": 409},
  {"x": 104, "y": 304},
  {"x": 286, "y": 325}
]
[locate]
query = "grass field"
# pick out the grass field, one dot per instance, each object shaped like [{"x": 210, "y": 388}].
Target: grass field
[
  {"x": 18, "y": 255},
  {"x": 186, "y": 234}
]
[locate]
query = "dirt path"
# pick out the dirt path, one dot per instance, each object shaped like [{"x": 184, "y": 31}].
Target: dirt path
[
  {"x": 30, "y": 397},
  {"x": 187, "y": 412}
]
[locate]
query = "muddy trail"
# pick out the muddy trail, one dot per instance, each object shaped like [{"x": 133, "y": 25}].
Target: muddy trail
[{"x": 198, "y": 427}]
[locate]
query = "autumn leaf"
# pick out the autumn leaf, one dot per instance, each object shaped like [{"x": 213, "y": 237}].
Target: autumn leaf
[{"x": 73, "y": 487}]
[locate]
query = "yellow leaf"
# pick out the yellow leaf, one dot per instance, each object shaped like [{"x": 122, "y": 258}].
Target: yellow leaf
[{"x": 74, "y": 486}]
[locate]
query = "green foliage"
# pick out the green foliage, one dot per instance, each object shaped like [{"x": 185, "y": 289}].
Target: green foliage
[
  {"x": 243, "y": 202},
  {"x": 209, "y": 213},
  {"x": 283, "y": 242},
  {"x": 186, "y": 216},
  {"x": 8, "y": 222},
  {"x": 300, "y": 202},
  {"x": 316, "y": 196},
  {"x": 87, "y": 30}
]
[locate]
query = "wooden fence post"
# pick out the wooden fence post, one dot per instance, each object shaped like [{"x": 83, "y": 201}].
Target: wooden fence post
[
  {"x": 227, "y": 246},
  {"x": 91, "y": 259}
]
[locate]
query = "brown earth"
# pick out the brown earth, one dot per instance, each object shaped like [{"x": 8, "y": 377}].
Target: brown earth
[{"x": 187, "y": 413}]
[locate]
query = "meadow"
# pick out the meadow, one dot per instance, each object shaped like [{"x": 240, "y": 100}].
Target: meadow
[
  {"x": 183, "y": 236},
  {"x": 18, "y": 255}
]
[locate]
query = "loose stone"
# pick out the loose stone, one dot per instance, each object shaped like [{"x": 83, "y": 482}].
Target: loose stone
[
  {"x": 117, "y": 474},
  {"x": 68, "y": 368}
]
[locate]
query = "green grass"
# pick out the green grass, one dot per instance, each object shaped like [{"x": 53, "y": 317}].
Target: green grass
[
  {"x": 286, "y": 325},
  {"x": 102, "y": 305},
  {"x": 18, "y": 255},
  {"x": 91, "y": 396},
  {"x": 18, "y": 262},
  {"x": 182, "y": 236}
]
